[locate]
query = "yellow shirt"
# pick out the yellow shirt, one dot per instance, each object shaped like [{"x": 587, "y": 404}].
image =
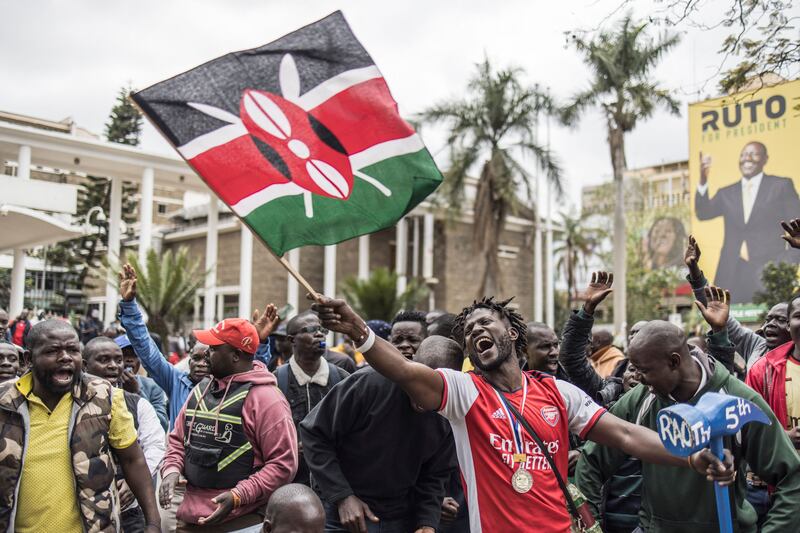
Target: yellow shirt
[
  {"x": 358, "y": 357},
  {"x": 467, "y": 365},
  {"x": 47, "y": 499},
  {"x": 792, "y": 393}
]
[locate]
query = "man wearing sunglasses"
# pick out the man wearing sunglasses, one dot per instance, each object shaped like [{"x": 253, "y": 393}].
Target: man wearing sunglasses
[{"x": 308, "y": 376}]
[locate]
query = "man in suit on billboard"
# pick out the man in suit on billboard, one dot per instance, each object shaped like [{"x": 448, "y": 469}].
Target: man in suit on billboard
[{"x": 750, "y": 208}]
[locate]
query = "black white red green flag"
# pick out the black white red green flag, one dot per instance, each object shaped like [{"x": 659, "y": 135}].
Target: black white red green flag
[{"x": 300, "y": 137}]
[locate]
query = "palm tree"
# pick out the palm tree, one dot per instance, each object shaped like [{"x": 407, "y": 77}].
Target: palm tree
[
  {"x": 576, "y": 245},
  {"x": 495, "y": 123},
  {"x": 621, "y": 61},
  {"x": 166, "y": 286},
  {"x": 376, "y": 297}
]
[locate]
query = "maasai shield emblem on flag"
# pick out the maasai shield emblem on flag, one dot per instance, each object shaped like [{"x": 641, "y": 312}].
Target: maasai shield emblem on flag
[{"x": 301, "y": 137}]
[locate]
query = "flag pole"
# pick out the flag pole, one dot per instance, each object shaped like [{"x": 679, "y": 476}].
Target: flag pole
[
  {"x": 282, "y": 260},
  {"x": 296, "y": 275}
]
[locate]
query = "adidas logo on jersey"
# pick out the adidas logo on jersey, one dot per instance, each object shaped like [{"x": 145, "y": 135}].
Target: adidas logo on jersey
[{"x": 499, "y": 413}]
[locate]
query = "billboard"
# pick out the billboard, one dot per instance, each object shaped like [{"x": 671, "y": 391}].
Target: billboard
[{"x": 744, "y": 172}]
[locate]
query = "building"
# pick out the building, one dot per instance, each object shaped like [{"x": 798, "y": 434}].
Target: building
[
  {"x": 242, "y": 274},
  {"x": 658, "y": 186}
]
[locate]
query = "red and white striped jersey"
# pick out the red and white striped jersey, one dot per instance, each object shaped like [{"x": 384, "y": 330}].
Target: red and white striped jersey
[{"x": 486, "y": 447}]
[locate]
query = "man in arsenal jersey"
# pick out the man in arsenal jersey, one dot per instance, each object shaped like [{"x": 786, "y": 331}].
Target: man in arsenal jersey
[{"x": 507, "y": 477}]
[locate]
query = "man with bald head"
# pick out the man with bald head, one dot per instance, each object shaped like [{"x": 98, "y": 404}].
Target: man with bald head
[
  {"x": 750, "y": 208},
  {"x": 670, "y": 373},
  {"x": 294, "y": 508},
  {"x": 437, "y": 351}
]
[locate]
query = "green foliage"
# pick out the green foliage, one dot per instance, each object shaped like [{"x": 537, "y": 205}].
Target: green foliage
[
  {"x": 621, "y": 61},
  {"x": 780, "y": 283},
  {"x": 166, "y": 286},
  {"x": 575, "y": 246},
  {"x": 493, "y": 125},
  {"x": 125, "y": 122},
  {"x": 375, "y": 298}
]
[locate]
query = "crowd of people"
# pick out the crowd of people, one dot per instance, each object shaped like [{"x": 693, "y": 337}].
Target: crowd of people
[{"x": 469, "y": 422}]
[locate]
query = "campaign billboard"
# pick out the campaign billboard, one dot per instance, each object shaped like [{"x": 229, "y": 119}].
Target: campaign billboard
[{"x": 744, "y": 172}]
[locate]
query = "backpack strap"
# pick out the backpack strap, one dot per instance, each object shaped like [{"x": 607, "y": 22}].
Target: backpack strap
[
  {"x": 282, "y": 375},
  {"x": 644, "y": 407},
  {"x": 334, "y": 376}
]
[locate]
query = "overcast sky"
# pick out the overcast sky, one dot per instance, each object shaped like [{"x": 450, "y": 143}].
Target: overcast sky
[{"x": 61, "y": 59}]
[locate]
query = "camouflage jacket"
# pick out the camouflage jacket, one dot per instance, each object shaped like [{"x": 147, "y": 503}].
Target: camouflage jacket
[{"x": 92, "y": 459}]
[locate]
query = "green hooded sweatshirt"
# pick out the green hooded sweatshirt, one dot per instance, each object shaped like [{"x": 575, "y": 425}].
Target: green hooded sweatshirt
[{"x": 679, "y": 500}]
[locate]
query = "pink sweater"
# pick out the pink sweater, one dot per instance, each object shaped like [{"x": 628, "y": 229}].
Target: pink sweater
[{"x": 269, "y": 427}]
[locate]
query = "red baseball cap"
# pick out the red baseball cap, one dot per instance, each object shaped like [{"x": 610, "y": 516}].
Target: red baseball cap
[{"x": 237, "y": 332}]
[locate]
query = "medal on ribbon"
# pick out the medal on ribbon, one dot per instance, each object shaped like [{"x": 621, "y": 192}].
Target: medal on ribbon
[{"x": 521, "y": 480}]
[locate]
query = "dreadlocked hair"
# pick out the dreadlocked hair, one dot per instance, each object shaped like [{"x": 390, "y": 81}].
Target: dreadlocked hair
[{"x": 500, "y": 307}]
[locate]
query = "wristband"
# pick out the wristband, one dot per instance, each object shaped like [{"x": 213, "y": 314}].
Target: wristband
[
  {"x": 367, "y": 343},
  {"x": 237, "y": 500},
  {"x": 689, "y": 460}
]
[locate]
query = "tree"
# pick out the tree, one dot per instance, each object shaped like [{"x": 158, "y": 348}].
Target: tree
[
  {"x": 81, "y": 255},
  {"x": 166, "y": 286},
  {"x": 376, "y": 297},
  {"x": 780, "y": 283},
  {"x": 495, "y": 123},
  {"x": 125, "y": 121},
  {"x": 576, "y": 245},
  {"x": 621, "y": 61}
]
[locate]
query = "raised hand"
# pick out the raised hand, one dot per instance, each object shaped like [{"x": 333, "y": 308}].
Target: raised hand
[
  {"x": 127, "y": 282},
  {"x": 266, "y": 322},
  {"x": 597, "y": 290},
  {"x": 792, "y": 229},
  {"x": 717, "y": 308},
  {"x": 336, "y": 315},
  {"x": 692, "y": 257},
  {"x": 705, "y": 168}
]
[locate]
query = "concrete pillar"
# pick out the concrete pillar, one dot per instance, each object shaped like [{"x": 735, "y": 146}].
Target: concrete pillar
[
  {"x": 329, "y": 279},
  {"x": 415, "y": 249},
  {"x": 401, "y": 255},
  {"x": 24, "y": 162},
  {"x": 427, "y": 257},
  {"x": 427, "y": 250},
  {"x": 146, "y": 214},
  {"x": 293, "y": 288},
  {"x": 246, "y": 273},
  {"x": 363, "y": 257},
  {"x": 17, "y": 285},
  {"x": 212, "y": 236},
  {"x": 17, "y": 296},
  {"x": 114, "y": 225}
]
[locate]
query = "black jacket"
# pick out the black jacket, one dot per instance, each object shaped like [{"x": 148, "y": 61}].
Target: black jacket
[
  {"x": 364, "y": 438},
  {"x": 776, "y": 200},
  {"x": 302, "y": 399}
]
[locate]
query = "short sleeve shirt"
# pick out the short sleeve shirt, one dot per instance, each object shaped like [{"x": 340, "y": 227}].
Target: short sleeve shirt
[
  {"x": 47, "y": 499},
  {"x": 486, "y": 447}
]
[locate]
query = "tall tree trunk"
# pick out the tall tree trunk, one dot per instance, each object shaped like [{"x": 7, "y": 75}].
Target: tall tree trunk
[
  {"x": 616, "y": 142},
  {"x": 490, "y": 211}
]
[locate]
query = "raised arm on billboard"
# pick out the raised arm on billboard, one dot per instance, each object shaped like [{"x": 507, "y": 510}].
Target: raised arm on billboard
[
  {"x": 424, "y": 385},
  {"x": 792, "y": 229}
]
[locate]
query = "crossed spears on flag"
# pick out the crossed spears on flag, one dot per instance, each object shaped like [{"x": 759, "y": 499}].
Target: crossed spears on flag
[
  {"x": 266, "y": 119},
  {"x": 283, "y": 144}
]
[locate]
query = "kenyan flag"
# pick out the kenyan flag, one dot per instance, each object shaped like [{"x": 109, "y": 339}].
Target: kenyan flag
[{"x": 300, "y": 137}]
